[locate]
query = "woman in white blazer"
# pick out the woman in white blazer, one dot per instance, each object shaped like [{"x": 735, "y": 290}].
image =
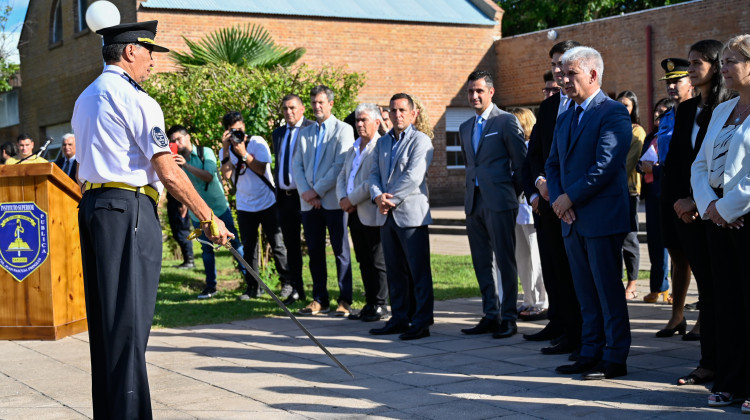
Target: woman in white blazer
[{"x": 720, "y": 180}]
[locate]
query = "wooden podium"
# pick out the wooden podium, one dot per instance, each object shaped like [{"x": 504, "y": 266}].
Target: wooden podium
[{"x": 49, "y": 303}]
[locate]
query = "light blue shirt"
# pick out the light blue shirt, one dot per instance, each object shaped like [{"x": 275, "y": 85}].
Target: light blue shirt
[{"x": 318, "y": 144}]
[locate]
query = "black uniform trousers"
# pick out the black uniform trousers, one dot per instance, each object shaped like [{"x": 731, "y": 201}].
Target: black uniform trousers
[
  {"x": 631, "y": 249},
  {"x": 121, "y": 253},
  {"x": 290, "y": 220},
  {"x": 369, "y": 253},
  {"x": 248, "y": 222},
  {"x": 564, "y": 310},
  {"x": 731, "y": 281}
]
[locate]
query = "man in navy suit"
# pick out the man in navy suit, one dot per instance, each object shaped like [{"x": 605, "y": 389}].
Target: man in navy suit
[
  {"x": 287, "y": 199},
  {"x": 588, "y": 189},
  {"x": 67, "y": 159}
]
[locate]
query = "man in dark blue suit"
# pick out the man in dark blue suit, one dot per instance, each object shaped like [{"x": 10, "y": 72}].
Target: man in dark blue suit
[
  {"x": 287, "y": 199},
  {"x": 588, "y": 190}
]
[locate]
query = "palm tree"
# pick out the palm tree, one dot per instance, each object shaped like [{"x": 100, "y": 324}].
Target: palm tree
[{"x": 249, "y": 46}]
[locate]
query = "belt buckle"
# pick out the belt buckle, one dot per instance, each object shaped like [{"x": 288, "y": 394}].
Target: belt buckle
[{"x": 289, "y": 193}]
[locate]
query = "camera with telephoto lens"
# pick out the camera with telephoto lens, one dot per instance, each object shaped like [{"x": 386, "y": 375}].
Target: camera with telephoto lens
[{"x": 236, "y": 135}]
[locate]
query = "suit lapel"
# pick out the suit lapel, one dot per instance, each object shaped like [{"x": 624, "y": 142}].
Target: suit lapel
[
  {"x": 587, "y": 115},
  {"x": 486, "y": 126},
  {"x": 468, "y": 133}
]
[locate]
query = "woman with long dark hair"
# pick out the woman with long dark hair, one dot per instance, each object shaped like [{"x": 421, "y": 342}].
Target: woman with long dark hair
[
  {"x": 719, "y": 180},
  {"x": 691, "y": 124},
  {"x": 630, "y": 247}
]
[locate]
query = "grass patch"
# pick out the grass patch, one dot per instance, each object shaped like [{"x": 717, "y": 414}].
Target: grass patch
[{"x": 177, "y": 303}]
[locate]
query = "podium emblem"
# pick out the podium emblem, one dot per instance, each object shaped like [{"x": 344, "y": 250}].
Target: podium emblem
[{"x": 24, "y": 242}]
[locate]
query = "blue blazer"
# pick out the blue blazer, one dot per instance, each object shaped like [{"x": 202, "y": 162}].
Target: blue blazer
[{"x": 589, "y": 166}]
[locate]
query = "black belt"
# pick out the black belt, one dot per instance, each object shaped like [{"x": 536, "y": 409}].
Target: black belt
[{"x": 288, "y": 193}]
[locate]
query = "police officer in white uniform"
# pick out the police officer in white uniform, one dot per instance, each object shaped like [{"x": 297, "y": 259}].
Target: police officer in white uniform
[{"x": 125, "y": 162}]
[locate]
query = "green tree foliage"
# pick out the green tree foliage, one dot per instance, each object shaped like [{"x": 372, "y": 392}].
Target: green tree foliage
[
  {"x": 198, "y": 97},
  {"x": 522, "y": 16},
  {"x": 250, "y": 46},
  {"x": 7, "y": 68}
]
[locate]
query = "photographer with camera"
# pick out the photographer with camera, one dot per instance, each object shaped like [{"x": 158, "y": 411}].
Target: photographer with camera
[
  {"x": 201, "y": 168},
  {"x": 245, "y": 161}
]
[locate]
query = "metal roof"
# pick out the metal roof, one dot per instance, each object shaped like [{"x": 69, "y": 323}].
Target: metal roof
[{"x": 461, "y": 12}]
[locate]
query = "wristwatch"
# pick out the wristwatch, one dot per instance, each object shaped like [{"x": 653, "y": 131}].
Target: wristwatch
[{"x": 244, "y": 158}]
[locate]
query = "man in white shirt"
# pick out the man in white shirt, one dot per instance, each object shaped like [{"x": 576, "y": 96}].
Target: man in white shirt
[{"x": 247, "y": 164}]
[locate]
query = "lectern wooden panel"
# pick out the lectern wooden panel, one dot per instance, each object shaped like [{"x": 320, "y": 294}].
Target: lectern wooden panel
[{"x": 49, "y": 303}]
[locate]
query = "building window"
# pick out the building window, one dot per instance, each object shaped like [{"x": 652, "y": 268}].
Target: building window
[
  {"x": 454, "y": 117},
  {"x": 80, "y": 15},
  {"x": 55, "y": 27},
  {"x": 9, "y": 108},
  {"x": 56, "y": 132}
]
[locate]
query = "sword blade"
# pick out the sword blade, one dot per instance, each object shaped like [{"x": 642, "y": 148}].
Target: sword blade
[{"x": 278, "y": 301}]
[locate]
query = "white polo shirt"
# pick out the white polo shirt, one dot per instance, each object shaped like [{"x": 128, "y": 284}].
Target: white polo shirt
[
  {"x": 119, "y": 128},
  {"x": 252, "y": 193}
]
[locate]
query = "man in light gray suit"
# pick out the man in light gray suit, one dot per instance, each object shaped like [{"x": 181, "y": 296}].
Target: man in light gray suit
[
  {"x": 494, "y": 150},
  {"x": 398, "y": 186},
  {"x": 318, "y": 157},
  {"x": 353, "y": 191}
]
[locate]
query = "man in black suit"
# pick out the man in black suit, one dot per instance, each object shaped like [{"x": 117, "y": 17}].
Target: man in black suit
[
  {"x": 564, "y": 314},
  {"x": 67, "y": 159},
  {"x": 494, "y": 149},
  {"x": 287, "y": 199}
]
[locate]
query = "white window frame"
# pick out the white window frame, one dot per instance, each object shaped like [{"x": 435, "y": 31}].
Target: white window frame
[{"x": 454, "y": 117}]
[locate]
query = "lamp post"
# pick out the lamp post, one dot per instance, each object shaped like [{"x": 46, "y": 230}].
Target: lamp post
[{"x": 102, "y": 14}]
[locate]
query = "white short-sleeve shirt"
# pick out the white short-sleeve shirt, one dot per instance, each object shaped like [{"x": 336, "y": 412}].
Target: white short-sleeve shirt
[
  {"x": 119, "y": 128},
  {"x": 252, "y": 193}
]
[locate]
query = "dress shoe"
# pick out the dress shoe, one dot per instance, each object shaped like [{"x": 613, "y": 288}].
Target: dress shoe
[
  {"x": 485, "y": 325},
  {"x": 292, "y": 298},
  {"x": 563, "y": 347},
  {"x": 583, "y": 364},
  {"x": 379, "y": 312},
  {"x": 575, "y": 354},
  {"x": 606, "y": 370},
  {"x": 668, "y": 332},
  {"x": 415, "y": 333},
  {"x": 390, "y": 328},
  {"x": 362, "y": 312},
  {"x": 547, "y": 333},
  {"x": 691, "y": 336},
  {"x": 505, "y": 330},
  {"x": 188, "y": 264}
]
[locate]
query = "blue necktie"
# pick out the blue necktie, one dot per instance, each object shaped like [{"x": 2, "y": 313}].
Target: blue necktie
[
  {"x": 287, "y": 156},
  {"x": 66, "y": 166},
  {"x": 574, "y": 123},
  {"x": 477, "y": 134},
  {"x": 318, "y": 146}
]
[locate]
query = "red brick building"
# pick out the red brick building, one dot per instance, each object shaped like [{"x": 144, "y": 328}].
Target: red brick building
[
  {"x": 424, "y": 47},
  {"x": 416, "y": 51}
]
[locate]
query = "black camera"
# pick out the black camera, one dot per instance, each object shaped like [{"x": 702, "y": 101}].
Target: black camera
[{"x": 236, "y": 135}]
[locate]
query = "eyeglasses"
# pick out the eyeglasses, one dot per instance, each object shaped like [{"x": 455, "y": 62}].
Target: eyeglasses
[{"x": 551, "y": 90}]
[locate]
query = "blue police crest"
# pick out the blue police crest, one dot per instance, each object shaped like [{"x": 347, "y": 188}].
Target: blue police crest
[
  {"x": 24, "y": 241},
  {"x": 159, "y": 136}
]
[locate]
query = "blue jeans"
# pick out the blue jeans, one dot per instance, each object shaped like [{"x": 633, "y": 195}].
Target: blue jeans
[{"x": 209, "y": 261}]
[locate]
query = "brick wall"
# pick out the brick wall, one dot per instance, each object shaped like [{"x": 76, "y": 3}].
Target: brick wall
[
  {"x": 53, "y": 77},
  {"x": 521, "y": 60},
  {"x": 430, "y": 61}
]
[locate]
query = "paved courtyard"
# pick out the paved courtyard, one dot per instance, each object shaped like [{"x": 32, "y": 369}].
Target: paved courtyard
[{"x": 267, "y": 368}]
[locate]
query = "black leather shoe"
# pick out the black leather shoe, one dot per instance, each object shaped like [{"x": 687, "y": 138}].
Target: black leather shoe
[
  {"x": 415, "y": 333},
  {"x": 292, "y": 298},
  {"x": 390, "y": 328},
  {"x": 547, "y": 333},
  {"x": 379, "y": 312},
  {"x": 575, "y": 355},
  {"x": 359, "y": 314},
  {"x": 583, "y": 364},
  {"x": 668, "y": 332},
  {"x": 506, "y": 329},
  {"x": 560, "y": 348},
  {"x": 485, "y": 326},
  {"x": 606, "y": 370}
]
